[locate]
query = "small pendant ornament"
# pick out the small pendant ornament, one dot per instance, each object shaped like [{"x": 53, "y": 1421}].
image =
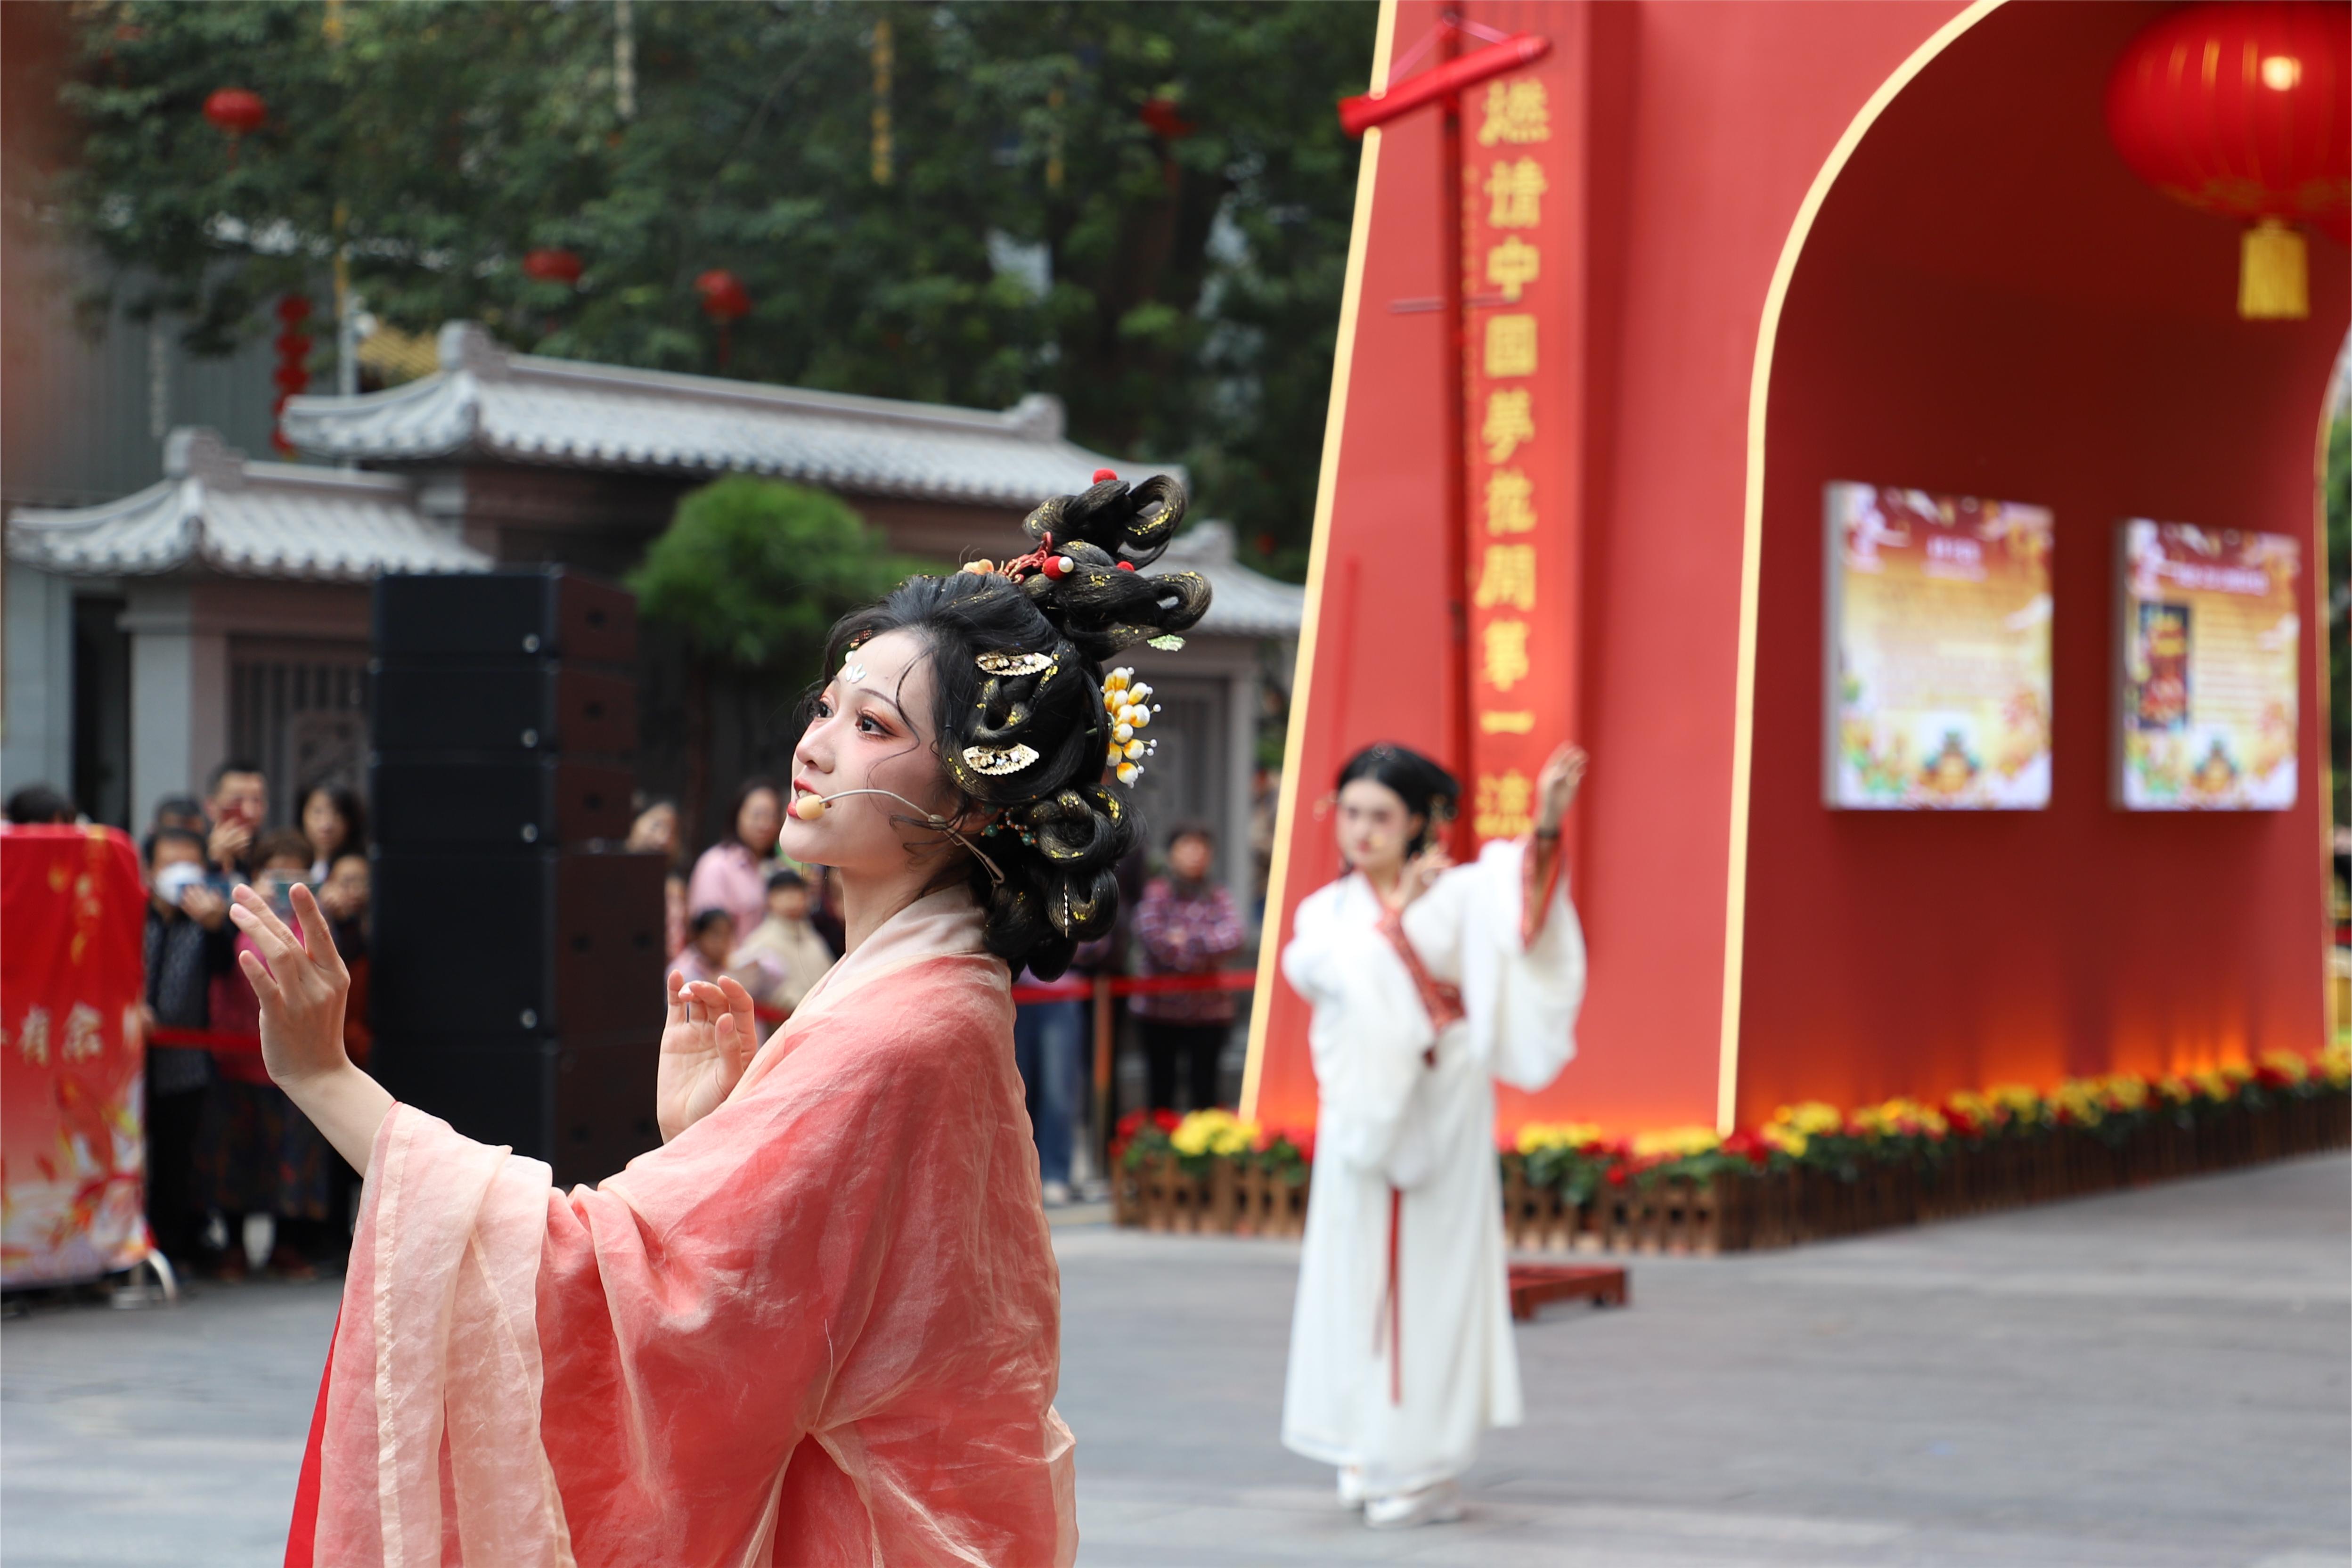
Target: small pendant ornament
[{"x": 995, "y": 761}]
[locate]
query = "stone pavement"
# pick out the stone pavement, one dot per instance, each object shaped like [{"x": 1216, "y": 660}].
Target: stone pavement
[{"x": 2157, "y": 1379}]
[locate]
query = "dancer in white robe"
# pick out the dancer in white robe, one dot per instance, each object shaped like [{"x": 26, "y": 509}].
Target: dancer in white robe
[{"x": 1428, "y": 981}]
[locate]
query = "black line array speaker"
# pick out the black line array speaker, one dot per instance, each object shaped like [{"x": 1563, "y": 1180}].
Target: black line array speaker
[{"x": 516, "y": 986}]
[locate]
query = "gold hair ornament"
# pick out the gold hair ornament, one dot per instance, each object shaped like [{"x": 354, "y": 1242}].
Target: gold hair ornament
[
  {"x": 997, "y": 760},
  {"x": 1014, "y": 663}
]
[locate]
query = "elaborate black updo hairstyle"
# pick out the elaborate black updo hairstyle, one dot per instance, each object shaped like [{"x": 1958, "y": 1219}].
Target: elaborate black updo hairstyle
[
  {"x": 1428, "y": 791},
  {"x": 1017, "y": 654}
]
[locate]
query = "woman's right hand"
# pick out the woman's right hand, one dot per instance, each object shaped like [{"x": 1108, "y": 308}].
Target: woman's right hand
[{"x": 707, "y": 1042}]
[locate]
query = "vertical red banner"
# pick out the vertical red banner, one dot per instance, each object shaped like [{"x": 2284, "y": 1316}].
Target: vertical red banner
[
  {"x": 72, "y": 1188},
  {"x": 1520, "y": 186}
]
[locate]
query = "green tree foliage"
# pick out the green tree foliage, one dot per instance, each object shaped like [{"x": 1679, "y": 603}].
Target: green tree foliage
[
  {"x": 1172, "y": 275},
  {"x": 755, "y": 572}
]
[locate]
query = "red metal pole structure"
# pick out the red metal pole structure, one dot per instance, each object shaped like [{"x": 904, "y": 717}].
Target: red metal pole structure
[
  {"x": 1457, "y": 392},
  {"x": 1444, "y": 85}
]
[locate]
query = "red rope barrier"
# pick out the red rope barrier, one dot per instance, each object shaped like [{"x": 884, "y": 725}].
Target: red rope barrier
[{"x": 209, "y": 1039}]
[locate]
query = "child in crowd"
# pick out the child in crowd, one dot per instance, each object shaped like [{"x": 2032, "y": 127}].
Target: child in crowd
[
  {"x": 788, "y": 941},
  {"x": 258, "y": 1155},
  {"x": 709, "y": 949},
  {"x": 347, "y": 889}
]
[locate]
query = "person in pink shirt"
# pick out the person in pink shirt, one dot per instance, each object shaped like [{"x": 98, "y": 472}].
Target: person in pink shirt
[{"x": 732, "y": 874}]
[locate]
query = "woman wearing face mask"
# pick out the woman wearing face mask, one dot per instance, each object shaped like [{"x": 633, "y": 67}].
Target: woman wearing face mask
[
  {"x": 820, "y": 1324},
  {"x": 1428, "y": 981}
]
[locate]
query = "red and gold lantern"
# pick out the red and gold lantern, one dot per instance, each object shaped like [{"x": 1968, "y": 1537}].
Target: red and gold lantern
[
  {"x": 550, "y": 265},
  {"x": 235, "y": 114},
  {"x": 2245, "y": 110},
  {"x": 725, "y": 302}
]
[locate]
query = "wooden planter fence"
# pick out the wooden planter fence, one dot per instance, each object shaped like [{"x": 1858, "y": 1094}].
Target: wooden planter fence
[{"x": 1735, "y": 1213}]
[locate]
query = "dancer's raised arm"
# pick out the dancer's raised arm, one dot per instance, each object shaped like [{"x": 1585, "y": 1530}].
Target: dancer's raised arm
[{"x": 303, "y": 987}]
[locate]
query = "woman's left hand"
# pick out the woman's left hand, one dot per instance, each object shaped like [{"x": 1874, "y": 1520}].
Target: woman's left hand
[{"x": 1556, "y": 786}]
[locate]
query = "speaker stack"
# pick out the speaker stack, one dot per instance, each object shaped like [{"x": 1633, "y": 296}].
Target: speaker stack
[{"x": 517, "y": 956}]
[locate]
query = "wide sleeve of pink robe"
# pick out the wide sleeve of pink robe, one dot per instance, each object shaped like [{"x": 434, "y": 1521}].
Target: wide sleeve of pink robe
[{"x": 821, "y": 1326}]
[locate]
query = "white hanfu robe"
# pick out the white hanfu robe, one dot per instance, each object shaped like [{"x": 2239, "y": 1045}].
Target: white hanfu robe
[{"x": 1401, "y": 1347}]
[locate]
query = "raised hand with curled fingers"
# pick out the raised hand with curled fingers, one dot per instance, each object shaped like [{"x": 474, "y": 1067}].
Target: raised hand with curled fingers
[
  {"x": 303, "y": 988},
  {"x": 301, "y": 983},
  {"x": 706, "y": 1043}
]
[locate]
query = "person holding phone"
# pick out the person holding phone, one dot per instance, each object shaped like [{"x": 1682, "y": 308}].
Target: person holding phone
[
  {"x": 239, "y": 802},
  {"x": 258, "y": 1154}
]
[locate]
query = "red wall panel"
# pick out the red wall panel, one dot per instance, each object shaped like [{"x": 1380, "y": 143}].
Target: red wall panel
[{"x": 1991, "y": 304}]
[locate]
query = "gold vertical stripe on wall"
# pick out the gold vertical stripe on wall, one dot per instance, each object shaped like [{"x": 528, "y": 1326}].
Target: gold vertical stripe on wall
[
  {"x": 1335, "y": 420},
  {"x": 1760, "y": 388}
]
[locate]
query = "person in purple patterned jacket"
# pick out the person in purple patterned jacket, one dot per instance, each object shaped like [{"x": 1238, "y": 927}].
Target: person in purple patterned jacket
[{"x": 1186, "y": 924}]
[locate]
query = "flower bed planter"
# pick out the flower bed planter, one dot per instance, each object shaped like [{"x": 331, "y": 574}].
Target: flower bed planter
[{"x": 1568, "y": 1191}]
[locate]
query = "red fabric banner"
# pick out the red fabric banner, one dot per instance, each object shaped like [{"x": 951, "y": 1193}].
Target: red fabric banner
[{"x": 72, "y": 1186}]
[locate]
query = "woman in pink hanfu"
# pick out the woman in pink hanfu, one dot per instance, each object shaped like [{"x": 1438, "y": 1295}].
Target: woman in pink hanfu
[{"x": 821, "y": 1324}]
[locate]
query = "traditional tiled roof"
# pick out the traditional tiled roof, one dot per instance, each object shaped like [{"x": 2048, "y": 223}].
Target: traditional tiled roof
[
  {"x": 1243, "y": 603},
  {"x": 215, "y": 509},
  {"x": 487, "y": 401}
]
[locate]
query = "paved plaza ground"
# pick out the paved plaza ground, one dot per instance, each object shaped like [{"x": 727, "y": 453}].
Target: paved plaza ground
[{"x": 2159, "y": 1379}]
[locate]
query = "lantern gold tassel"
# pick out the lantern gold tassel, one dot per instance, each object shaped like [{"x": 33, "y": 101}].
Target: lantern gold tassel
[{"x": 2273, "y": 274}]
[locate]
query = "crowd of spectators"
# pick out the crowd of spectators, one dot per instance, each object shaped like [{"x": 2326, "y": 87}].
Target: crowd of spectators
[
  {"x": 232, "y": 1169},
  {"x": 225, "y": 1148}
]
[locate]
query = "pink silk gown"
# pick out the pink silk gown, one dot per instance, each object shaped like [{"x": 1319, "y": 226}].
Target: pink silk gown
[{"x": 820, "y": 1326}]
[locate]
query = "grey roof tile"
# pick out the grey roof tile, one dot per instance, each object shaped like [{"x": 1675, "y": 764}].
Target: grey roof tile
[
  {"x": 487, "y": 401},
  {"x": 215, "y": 509}
]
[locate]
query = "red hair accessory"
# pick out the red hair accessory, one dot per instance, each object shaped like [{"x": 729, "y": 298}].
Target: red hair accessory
[{"x": 1102, "y": 474}]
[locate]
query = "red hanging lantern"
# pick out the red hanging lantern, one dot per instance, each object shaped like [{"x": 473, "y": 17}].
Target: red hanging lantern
[
  {"x": 725, "y": 302},
  {"x": 550, "y": 265},
  {"x": 235, "y": 114},
  {"x": 1165, "y": 119},
  {"x": 292, "y": 375},
  {"x": 2245, "y": 110}
]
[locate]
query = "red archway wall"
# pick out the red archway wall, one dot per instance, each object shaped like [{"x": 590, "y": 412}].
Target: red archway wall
[
  {"x": 1699, "y": 129},
  {"x": 1991, "y": 304}
]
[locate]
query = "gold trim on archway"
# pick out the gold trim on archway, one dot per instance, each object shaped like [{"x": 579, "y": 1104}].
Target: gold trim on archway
[{"x": 1760, "y": 388}]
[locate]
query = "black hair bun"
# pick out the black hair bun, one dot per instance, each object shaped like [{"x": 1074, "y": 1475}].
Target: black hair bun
[
  {"x": 1109, "y": 533},
  {"x": 1017, "y": 653}
]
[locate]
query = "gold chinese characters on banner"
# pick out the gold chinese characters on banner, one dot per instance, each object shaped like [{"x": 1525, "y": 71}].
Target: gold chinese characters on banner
[{"x": 1514, "y": 351}]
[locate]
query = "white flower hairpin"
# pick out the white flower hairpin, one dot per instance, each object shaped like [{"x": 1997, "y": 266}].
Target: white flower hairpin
[{"x": 1128, "y": 703}]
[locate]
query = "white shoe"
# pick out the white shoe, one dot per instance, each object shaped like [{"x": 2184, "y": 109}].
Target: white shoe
[
  {"x": 1055, "y": 1193},
  {"x": 1351, "y": 1487},
  {"x": 1439, "y": 1504}
]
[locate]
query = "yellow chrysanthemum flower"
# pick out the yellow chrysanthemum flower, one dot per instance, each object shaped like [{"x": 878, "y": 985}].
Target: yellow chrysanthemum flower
[
  {"x": 1538, "y": 1136},
  {"x": 2291, "y": 1065},
  {"x": 1213, "y": 1132},
  {"x": 1675, "y": 1143}
]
